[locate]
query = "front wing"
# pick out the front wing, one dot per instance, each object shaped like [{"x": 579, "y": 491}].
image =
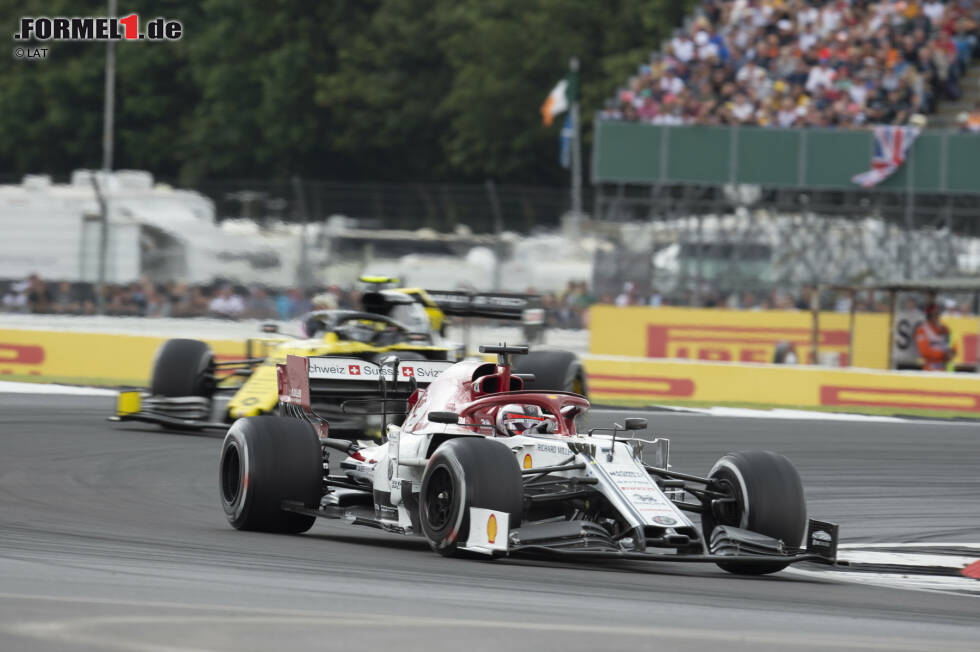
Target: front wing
[
  {"x": 490, "y": 534},
  {"x": 181, "y": 412},
  {"x": 582, "y": 541}
]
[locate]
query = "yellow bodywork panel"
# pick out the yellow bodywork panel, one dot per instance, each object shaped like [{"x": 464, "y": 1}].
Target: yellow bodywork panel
[
  {"x": 128, "y": 403},
  {"x": 259, "y": 394}
]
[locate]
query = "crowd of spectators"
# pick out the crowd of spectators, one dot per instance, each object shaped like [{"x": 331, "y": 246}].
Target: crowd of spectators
[
  {"x": 145, "y": 299},
  {"x": 773, "y": 299},
  {"x": 969, "y": 122},
  {"x": 222, "y": 300},
  {"x": 565, "y": 309},
  {"x": 568, "y": 308},
  {"x": 806, "y": 63}
]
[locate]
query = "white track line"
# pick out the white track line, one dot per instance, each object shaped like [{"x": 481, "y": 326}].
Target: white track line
[
  {"x": 919, "y": 544},
  {"x": 960, "y": 556},
  {"x": 906, "y": 559},
  {"x": 7, "y": 387},
  {"x": 796, "y": 415}
]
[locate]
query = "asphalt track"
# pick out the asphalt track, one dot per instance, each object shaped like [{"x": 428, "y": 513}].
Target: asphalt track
[{"x": 112, "y": 538}]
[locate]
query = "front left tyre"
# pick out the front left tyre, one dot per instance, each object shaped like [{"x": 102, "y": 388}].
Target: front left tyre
[
  {"x": 765, "y": 496},
  {"x": 462, "y": 473},
  {"x": 264, "y": 461}
]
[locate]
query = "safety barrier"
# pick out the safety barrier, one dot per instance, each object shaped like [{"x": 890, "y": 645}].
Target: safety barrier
[
  {"x": 87, "y": 358},
  {"x": 636, "y": 382},
  {"x": 718, "y": 335},
  {"x": 118, "y": 360}
]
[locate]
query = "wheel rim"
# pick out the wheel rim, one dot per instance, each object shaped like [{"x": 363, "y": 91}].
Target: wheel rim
[
  {"x": 231, "y": 475},
  {"x": 439, "y": 499},
  {"x": 730, "y": 511}
]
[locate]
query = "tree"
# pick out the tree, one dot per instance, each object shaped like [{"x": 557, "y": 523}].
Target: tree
[
  {"x": 506, "y": 56},
  {"x": 386, "y": 90},
  {"x": 348, "y": 89}
]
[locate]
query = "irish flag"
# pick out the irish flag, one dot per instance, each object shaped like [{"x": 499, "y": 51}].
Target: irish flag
[{"x": 556, "y": 103}]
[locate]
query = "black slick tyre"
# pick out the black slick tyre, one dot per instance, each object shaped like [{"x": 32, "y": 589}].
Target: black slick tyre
[
  {"x": 554, "y": 370},
  {"x": 768, "y": 499},
  {"x": 264, "y": 461},
  {"x": 462, "y": 473},
  {"x": 183, "y": 368}
]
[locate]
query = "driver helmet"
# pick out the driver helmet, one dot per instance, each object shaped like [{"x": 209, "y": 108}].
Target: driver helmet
[{"x": 516, "y": 419}]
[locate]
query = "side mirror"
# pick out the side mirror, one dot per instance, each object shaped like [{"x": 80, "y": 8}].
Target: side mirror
[
  {"x": 444, "y": 417},
  {"x": 270, "y": 328},
  {"x": 390, "y": 360},
  {"x": 635, "y": 423}
]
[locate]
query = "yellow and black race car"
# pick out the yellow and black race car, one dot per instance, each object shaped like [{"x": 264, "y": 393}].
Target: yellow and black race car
[{"x": 407, "y": 323}]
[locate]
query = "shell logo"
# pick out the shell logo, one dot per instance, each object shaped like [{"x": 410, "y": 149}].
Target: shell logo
[
  {"x": 528, "y": 462},
  {"x": 491, "y": 528}
]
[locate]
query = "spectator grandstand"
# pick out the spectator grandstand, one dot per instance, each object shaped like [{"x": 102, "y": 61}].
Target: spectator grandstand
[
  {"x": 806, "y": 63},
  {"x": 566, "y": 309},
  {"x": 223, "y": 300}
]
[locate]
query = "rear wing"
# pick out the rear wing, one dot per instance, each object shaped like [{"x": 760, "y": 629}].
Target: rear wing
[
  {"x": 301, "y": 379},
  {"x": 490, "y": 305}
]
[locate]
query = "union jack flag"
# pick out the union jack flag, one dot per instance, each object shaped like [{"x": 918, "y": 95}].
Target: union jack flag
[{"x": 892, "y": 145}]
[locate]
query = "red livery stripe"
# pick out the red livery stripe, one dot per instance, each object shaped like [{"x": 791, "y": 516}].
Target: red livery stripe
[{"x": 973, "y": 570}]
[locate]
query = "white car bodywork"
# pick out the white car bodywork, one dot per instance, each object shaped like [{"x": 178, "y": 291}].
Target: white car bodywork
[{"x": 617, "y": 467}]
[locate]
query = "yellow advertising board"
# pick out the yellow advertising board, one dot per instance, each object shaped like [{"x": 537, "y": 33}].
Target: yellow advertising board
[
  {"x": 87, "y": 358},
  {"x": 719, "y": 335},
  {"x": 641, "y": 382},
  {"x": 717, "y": 378}
]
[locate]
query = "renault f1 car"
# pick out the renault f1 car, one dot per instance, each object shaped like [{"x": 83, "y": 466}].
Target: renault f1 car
[
  {"x": 481, "y": 464},
  {"x": 408, "y": 322}
]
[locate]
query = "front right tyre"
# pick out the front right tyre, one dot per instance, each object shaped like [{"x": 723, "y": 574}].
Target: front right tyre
[
  {"x": 554, "y": 370},
  {"x": 183, "y": 367}
]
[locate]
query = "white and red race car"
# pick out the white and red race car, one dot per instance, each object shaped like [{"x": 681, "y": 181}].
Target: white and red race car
[{"x": 484, "y": 464}]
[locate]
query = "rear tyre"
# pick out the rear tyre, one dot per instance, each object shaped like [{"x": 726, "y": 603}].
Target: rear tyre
[
  {"x": 264, "y": 461},
  {"x": 769, "y": 500},
  {"x": 183, "y": 368},
  {"x": 554, "y": 370},
  {"x": 462, "y": 473}
]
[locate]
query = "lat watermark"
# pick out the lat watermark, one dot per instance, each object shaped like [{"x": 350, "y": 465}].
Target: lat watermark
[{"x": 30, "y": 53}]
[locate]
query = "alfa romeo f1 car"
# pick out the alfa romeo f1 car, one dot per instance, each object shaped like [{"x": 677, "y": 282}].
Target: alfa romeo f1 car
[
  {"x": 483, "y": 465},
  {"x": 407, "y": 322}
]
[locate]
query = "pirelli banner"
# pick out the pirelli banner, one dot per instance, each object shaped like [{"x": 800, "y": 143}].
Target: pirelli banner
[
  {"x": 634, "y": 382},
  {"x": 717, "y": 335},
  {"x": 88, "y": 358}
]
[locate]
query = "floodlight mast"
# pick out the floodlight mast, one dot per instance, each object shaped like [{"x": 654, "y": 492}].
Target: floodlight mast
[{"x": 108, "y": 115}]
